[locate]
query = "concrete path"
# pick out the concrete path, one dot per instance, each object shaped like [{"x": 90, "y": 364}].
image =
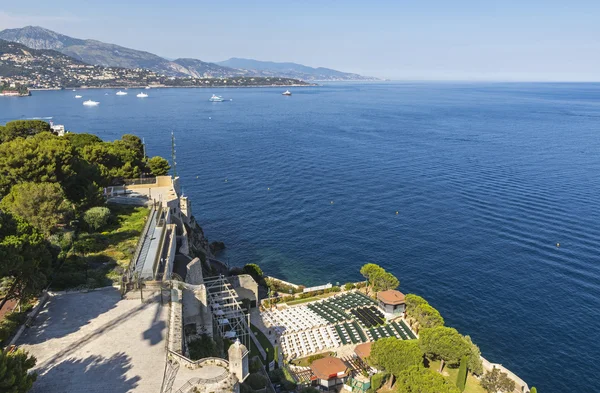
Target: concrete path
[{"x": 96, "y": 342}]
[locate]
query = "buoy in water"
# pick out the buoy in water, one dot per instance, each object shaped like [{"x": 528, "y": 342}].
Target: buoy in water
[
  {"x": 268, "y": 188},
  {"x": 210, "y": 118},
  {"x": 332, "y": 202},
  {"x": 225, "y": 180},
  {"x": 396, "y": 213},
  {"x": 557, "y": 244},
  {"x": 196, "y": 177}
]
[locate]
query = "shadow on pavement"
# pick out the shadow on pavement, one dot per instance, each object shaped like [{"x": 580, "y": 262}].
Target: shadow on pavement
[{"x": 89, "y": 374}]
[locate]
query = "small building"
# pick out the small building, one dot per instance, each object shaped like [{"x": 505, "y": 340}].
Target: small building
[
  {"x": 391, "y": 301},
  {"x": 329, "y": 372}
]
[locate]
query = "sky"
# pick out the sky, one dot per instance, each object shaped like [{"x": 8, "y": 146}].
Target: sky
[{"x": 525, "y": 40}]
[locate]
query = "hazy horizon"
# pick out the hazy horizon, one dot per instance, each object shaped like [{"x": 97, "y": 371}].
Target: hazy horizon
[{"x": 429, "y": 41}]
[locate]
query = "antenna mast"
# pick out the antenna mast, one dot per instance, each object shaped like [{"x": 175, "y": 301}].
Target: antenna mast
[{"x": 173, "y": 154}]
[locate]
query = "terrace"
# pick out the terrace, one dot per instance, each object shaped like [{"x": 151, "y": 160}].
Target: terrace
[{"x": 346, "y": 319}]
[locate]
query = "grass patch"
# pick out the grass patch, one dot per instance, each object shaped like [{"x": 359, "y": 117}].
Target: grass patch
[
  {"x": 310, "y": 299},
  {"x": 306, "y": 361},
  {"x": 265, "y": 343},
  {"x": 472, "y": 385},
  {"x": 98, "y": 259}
]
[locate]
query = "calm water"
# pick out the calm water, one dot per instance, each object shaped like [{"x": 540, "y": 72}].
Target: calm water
[{"x": 486, "y": 179}]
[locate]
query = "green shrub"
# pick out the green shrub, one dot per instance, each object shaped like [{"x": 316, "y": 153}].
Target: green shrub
[
  {"x": 461, "y": 377},
  {"x": 312, "y": 358},
  {"x": 202, "y": 347},
  {"x": 349, "y": 286},
  {"x": 96, "y": 217},
  {"x": 255, "y": 365},
  {"x": 334, "y": 289},
  {"x": 256, "y": 381},
  {"x": 377, "y": 380}
]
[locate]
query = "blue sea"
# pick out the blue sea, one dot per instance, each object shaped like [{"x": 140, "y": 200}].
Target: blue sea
[{"x": 483, "y": 198}]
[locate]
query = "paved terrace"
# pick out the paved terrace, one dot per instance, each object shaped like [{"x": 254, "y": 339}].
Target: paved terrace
[{"x": 95, "y": 342}]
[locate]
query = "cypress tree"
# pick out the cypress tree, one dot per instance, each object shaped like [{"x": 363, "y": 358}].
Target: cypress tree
[
  {"x": 461, "y": 378},
  {"x": 533, "y": 390}
]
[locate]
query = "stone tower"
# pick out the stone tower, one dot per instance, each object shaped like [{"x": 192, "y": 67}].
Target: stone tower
[
  {"x": 238, "y": 360},
  {"x": 186, "y": 208}
]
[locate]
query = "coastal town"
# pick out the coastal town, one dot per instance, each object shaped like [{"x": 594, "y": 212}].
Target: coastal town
[
  {"x": 174, "y": 318},
  {"x": 26, "y": 68}
]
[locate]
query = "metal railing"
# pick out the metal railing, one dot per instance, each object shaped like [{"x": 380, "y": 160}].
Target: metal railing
[
  {"x": 140, "y": 244},
  {"x": 138, "y": 181}
]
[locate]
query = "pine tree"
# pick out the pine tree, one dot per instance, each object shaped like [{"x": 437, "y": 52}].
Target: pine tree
[
  {"x": 461, "y": 378},
  {"x": 14, "y": 376}
]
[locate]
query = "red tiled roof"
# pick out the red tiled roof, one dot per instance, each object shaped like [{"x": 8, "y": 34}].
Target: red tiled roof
[
  {"x": 391, "y": 296},
  {"x": 328, "y": 368}
]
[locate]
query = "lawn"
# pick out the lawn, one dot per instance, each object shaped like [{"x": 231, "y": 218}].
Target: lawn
[
  {"x": 306, "y": 361},
  {"x": 473, "y": 385},
  {"x": 98, "y": 259},
  {"x": 310, "y": 299},
  {"x": 264, "y": 342}
]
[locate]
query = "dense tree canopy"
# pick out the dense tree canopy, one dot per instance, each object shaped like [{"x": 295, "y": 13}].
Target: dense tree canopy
[
  {"x": 25, "y": 260},
  {"x": 423, "y": 380},
  {"x": 14, "y": 372},
  {"x": 444, "y": 343},
  {"x": 79, "y": 141},
  {"x": 422, "y": 312},
  {"x": 395, "y": 355},
  {"x": 41, "y": 158},
  {"x": 158, "y": 166},
  {"x": 22, "y": 129},
  {"x": 474, "y": 360},
  {"x": 45, "y": 180},
  {"x": 378, "y": 278},
  {"x": 43, "y": 205}
]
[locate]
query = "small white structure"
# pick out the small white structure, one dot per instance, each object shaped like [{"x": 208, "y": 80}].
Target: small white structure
[{"x": 58, "y": 129}]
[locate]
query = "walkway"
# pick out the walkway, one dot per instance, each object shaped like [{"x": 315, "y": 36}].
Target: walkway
[{"x": 95, "y": 342}]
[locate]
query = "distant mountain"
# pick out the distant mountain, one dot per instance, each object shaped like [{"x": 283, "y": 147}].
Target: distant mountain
[
  {"x": 289, "y": 70},
  {"x": 91, "y": 51},
  {"x": 49, "y": 69},
  {"x": 198, "y": 68},
  {"x": 110, "y": 55}
]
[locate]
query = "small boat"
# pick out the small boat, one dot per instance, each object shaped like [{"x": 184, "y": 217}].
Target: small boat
[
  {"x": 286, "y": 93},
  {"x": 147, "y": 88},
  {"x": 90, "y": 103},
  {"x": 121, "y": 93},
  {"x": 216, "y": 98},
  {"x": 77, "y": 96},
  {"x": 141, "y": 95},
  {"x": 74, "y": 90}
]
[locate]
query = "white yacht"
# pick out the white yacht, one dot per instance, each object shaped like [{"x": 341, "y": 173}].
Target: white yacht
[
  {"x": 142, "y": 95},
  {"x": 90, "y": 103},
  {"x": 147, "y": 87},
  {"x": 78, "y": 96},
  {"x": 121, "y": 93},
  {"x": 216, "y": 98},
  {"x": 286, "y": 93}
]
